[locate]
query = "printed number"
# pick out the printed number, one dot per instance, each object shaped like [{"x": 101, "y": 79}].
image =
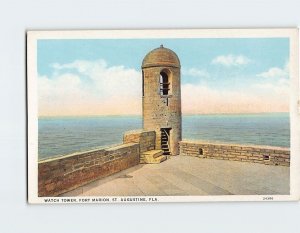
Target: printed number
[{"x": 267, "y": 198}]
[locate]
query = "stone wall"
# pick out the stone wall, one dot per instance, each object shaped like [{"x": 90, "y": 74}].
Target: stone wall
[
  {"x": 147, "y": 140},
  {"x": 62, "y": 174},
  {"x": 256, "y": 154}
]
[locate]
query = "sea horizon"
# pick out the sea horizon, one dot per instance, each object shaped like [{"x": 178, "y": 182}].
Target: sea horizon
[{"x": 140, "y": 115}]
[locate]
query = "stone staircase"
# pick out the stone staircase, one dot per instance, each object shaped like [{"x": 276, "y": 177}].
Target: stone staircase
[
  {"x": 153, "y": 156},
  {"x": 165, "y": 142}
]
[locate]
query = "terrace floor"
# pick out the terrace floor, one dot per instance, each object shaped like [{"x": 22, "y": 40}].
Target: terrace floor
[{"x": 184, "y": 175}]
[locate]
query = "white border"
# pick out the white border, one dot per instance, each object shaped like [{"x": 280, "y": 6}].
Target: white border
[{"x": 291, "y": 33}]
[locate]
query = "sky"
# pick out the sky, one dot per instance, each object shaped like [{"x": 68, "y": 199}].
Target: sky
[{"x": 103, "y": 76}]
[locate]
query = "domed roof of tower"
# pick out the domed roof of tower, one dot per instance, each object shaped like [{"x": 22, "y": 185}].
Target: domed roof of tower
[{"x": 161, "y": 57}]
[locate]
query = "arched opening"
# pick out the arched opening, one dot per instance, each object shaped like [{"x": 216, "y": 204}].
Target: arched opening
[{"x": 164, "y": 82}]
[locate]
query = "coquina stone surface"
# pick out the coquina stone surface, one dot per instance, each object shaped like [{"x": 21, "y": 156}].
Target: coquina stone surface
[
  {"x": 59, "y": 175},
  {"x": 268, "y": 155}
]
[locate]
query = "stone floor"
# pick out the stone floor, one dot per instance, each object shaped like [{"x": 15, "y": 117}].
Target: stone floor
[{"x": 184, "y": 175}]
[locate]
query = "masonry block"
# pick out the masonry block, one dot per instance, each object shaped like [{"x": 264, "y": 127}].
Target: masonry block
[{"x": 267, "y": 155}]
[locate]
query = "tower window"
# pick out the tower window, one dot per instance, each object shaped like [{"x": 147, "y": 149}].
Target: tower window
[{"x": 164, "y": 83}]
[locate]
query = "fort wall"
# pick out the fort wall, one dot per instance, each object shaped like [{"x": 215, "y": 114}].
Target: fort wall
[
  {"x": 146, "y": 139},
  {"x": 62, "y": 174},
  {"x": 244, "y": 153}
]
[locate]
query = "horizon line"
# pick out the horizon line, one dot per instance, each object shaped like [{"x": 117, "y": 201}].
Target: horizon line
[{"x": 184, "y": 114}]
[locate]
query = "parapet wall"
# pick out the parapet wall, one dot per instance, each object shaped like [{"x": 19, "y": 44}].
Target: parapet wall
[
  {"x": 146, "y": 139},
  {"x": 62, "y": 174},
  {"x": 256, "y": 154}
]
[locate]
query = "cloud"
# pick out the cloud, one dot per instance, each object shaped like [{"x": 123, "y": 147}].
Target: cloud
[
  {"x": 90, "y": 88},
  {"x": 195, "y": 72},
  {"x": 276, "y": 72},
  {"x": 94, "y": 88},
  {"x": 231, "y": 60},
  {"x": 82, "y": 66},
  {"x": 277, "y": 88},
  {"x": 203, "y": 99},
  {"x": 281, "y": 88},
  {"x": 274, "y": 80},
  {"x": 273, "y": 72}
]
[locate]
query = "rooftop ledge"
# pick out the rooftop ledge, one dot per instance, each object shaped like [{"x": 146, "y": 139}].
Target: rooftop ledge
[
  {"x": 103, "y": 148},
  {"x": 238, "y": 145}
]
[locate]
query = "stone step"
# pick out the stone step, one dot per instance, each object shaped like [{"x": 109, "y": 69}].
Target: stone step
[
  {"x": 154, "y": 160},
  {"x": 161, "y": 158},
  {"x": 153, "y": 153},
  {"x": 153, "y": 157}
]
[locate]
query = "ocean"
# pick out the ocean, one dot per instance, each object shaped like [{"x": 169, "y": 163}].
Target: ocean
[{"x": 64, "y": 135}]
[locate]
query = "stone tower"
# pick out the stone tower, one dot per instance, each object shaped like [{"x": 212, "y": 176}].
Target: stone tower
[{"x": 162, "y": 98}]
